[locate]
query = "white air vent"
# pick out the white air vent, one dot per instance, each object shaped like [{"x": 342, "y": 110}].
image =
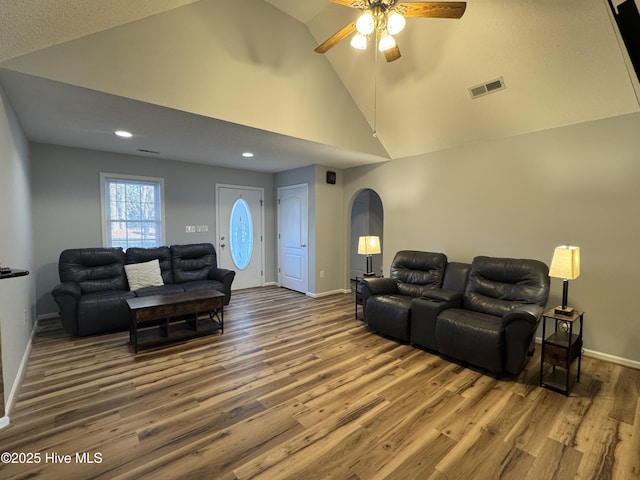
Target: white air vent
[{"x": 486, "y": 88}]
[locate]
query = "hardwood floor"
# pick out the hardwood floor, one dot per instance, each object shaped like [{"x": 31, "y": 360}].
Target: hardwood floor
[{"x": 296, "y": 388}]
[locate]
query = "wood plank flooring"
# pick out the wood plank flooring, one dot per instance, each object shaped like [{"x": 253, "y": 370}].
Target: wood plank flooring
[{"x": 296, "y": 388}]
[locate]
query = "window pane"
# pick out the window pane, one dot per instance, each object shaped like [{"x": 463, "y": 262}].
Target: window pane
[
  {"x": 132, "y": 212},
  {"x": 241, "y": 234}
]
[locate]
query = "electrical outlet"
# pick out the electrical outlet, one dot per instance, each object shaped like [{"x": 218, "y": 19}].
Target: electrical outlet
[
  {"x": 321, "y": 273},
  {"x": 24, "y": 313}
]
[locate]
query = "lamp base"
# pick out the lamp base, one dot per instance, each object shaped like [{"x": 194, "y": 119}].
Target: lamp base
[{"x": 563, "y": 311}]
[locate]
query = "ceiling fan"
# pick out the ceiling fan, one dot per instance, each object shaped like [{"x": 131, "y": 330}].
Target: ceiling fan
[{"x": 386, "y": 18}]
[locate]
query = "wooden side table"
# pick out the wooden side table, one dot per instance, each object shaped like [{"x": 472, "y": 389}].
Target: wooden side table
[{"x": 560, "y": 349}]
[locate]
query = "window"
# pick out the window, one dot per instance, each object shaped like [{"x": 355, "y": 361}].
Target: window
[
  {"x": 241, "y": 234},
  {"x": 132, "y": 211}
]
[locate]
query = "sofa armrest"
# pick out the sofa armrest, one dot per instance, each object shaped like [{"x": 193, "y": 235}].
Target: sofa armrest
[
  {"x": 378, "y": 286},
  {"x": 527, "y": 313},
  {"x": 67, "y": 288},
  {"x": 225, "y": 276},
  {"x": 67, "y": 295},
  {"x": 451, "y": 298},
  {"x": 520, "y": 325}
]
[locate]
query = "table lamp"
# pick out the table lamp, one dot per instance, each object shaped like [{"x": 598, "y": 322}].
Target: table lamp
[
  {"x": 566, "y": 265},
  {"x": 369, "y": 245}
]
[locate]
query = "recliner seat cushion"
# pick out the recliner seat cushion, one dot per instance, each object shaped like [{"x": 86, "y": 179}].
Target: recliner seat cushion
[
  {"x": 473, "y": 337},
  {"x": 390, "y": 315}
]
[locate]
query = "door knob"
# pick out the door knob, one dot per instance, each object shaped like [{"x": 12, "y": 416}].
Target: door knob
[
  {"x": 222, "y": 245},
  {"x": 303, "y": 245}
]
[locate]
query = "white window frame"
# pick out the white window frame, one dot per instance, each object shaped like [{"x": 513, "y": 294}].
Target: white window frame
[{"x": 104, "y": 177}]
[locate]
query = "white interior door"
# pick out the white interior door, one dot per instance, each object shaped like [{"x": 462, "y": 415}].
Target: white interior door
[
  {"x": 293, "y": 257},
  {"x": 240, "y": 233}
]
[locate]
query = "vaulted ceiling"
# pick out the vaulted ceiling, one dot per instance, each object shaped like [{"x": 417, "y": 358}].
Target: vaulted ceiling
[{"x": 204, "y": 80}]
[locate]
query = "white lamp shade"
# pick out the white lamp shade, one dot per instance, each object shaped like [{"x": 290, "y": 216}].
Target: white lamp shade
[
  {"x": 368, "y": 245},
  {"x": 565, "y": 263}
]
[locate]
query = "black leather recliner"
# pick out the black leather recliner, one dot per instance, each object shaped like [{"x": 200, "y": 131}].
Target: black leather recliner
[
  {"x": 387, "y": 301},
  {"x": 501, "y": 307},
  {"x": 485, "y": 313}
]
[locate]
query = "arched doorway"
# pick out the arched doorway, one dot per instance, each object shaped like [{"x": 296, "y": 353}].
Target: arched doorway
[{"x": 367, "y": 218}]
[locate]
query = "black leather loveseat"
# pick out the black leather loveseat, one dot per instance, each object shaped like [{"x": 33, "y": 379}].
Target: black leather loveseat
[
  {"x": 485, "y": 313},
  {"x": 95, "y": 282}
]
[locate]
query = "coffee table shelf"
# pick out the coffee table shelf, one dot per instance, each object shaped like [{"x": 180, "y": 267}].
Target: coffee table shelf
[{"x": 163, "y": 319}]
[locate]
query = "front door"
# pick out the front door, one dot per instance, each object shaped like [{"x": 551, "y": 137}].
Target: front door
[
  {"x": 240, "y": 235},
  {"x": 293, "y": 237}
]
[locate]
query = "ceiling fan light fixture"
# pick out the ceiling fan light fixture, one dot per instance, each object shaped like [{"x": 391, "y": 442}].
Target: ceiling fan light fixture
[
  {"x": 387, "y": 42},
  {"x": 365, "y": 23},
  {"x": 395, "y": 23},
  {"x": 359, "y": 42}
]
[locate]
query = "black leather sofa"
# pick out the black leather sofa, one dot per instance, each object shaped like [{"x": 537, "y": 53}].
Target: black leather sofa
[
  {"x": 94, "y": 287},
  {"x": 484, "y": 314}
]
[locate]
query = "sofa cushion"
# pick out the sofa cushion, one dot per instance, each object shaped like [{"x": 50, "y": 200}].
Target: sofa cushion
[
  {"x": 472, "y": 337},
  {"x": 162, "y": 254},
  {"x": 389, "y": 315},
  {"x": 141, "y": 275},
  {"x": 192, "y": 262},
  {"x": 497, "y": 285},
  {"x": 417, "y": 269},
  {"x": 93, "y": 269},
  {"x": 106, "y": 311},
  {"x": 203, "y": 285}
]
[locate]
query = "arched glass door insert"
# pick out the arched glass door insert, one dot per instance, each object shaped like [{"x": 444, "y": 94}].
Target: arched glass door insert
[{"x": 241, "y": 234}]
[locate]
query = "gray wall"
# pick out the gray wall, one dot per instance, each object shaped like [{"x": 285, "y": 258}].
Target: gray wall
[
  {"x": 16, "y": 294},
  {"x": 521, "y": 197},
  {"x": 66, "y": 204}
]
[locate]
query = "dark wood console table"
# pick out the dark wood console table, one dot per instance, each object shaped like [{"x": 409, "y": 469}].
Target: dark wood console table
[{"x": 161, "y": 319}]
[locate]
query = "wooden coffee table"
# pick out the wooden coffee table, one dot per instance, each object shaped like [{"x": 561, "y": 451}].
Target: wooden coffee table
[{"x": 167, "y": 318}]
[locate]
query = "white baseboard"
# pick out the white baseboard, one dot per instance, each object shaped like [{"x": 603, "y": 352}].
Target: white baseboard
[
  {"x": 326, "y": 294},
  {"x": 626, "y": 362},
  {"x": 15, "y": 389}
]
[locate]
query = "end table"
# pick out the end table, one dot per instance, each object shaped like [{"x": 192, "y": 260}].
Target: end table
[{"x": 560, "y": 349}]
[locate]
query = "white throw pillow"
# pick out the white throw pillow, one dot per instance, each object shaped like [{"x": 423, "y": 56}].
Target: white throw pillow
[{"x": 142, "y": 275}]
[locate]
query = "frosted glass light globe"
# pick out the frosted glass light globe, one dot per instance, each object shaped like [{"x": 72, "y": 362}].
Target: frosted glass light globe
[
  {"x": 395, "y": 23},
  {"x": 365, "y": 24}
]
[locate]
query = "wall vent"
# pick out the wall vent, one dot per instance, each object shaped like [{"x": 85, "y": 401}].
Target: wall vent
[{"x": 487, "y": 87}]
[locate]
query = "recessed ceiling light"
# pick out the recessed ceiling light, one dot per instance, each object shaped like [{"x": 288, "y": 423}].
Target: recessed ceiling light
[
  {"x": 123, "y": 134},
  {"x": 247, "y": 154}
]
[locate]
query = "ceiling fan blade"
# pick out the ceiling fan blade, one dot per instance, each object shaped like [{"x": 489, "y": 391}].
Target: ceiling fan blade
[
  {"x": 346, "y": 3},
  {"x": 392, "y": 54},
  {"x": 340, "y": 35},
  {"x": 434, "y": 9}
]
